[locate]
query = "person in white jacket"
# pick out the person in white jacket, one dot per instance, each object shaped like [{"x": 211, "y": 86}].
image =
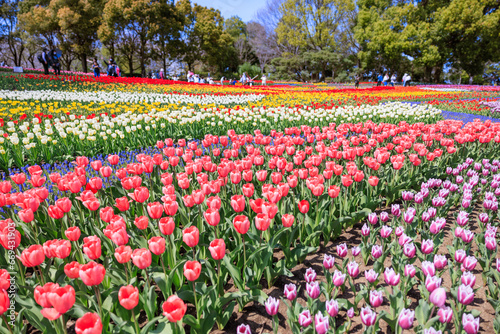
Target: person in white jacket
[
  {"x": 393, "y": 79},
  {"x": 386, "y": 79}
]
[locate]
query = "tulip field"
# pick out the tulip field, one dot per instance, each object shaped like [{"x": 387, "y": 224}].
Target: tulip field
[{"x": 151, "y": 206}]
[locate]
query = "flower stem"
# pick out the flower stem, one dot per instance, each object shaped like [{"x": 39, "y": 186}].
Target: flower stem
[
  {"x": 98, "y": 296},
  {"x": 6, "y": 323},
  {"x": 136, "y": 324},
  {"x": 196, "y": 302}
]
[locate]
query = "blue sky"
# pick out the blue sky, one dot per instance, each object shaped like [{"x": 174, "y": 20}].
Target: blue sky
[{"x": 245, "y": 9}]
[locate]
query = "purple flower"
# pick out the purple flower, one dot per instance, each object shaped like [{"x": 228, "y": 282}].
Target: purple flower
[
  {"x": 243, "y": 329},
  {"x": 372, "y": 218},
  {"x": 438, "y": 297},
  {"x": 368, "y": 317},
  {"x": 376, "y": 298},
  {"x": 465, "y": 294},
  {"x": 371, "y": 275},
  {"x": 406, "y": 317},
  {"x": 470, "y": 324},
  {"x": 445, "y": 314}
]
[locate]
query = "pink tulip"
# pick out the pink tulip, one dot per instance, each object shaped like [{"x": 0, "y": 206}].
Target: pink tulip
[
  {"x": 427, "y": 246},
  {"x": 272, "y": 306},
  {"x": 460, "y": 255},
  {"x": 386, "y": 231},
  {"x": 409, "y": 270},
  {"x": 310, "y": 275},
  {"x": 321, "y": 323},
  {"x": 409, "y": 250},
  {"x": 438, "y": 297},
  {"x": 469, "y": 263},
  {"x": 440, "y": 261},
  {"x": 468, "y": 279},
  {"x": 328, "y": 261},
  {"x": 368, "y": 317},
  {"x": 405, "y": 319},
  {"x": 371, "y": 276},
  {"x": 313, "y": 290},
  {"x": 376, "y": 251},
  {"x": 428, "y": 268},
  {"x": 342, "y": 250},
  {"x": 465, "y": 294},
  {"x": 290, "y": 291},
  {"x": 432, "y": 283},
  {"x": 305, "y": 318},
  {"x": 470, "y": 324},
  {"x": 390, "y": 276},
  {"x": 376, "y": 298},
  {"x": 372, "y": 218},
  {"x": 365, "y": 230},
  {"x": 332, "y": 307},
  {"x": 353, "y": 269},
  {"x": 338, "y": 278}
]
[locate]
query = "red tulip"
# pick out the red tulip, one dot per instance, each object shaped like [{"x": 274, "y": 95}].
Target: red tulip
[
  {"x": 72, "y": 269},
  {"x": 212, "y": 217},
  {"x": 141, "y": 257},
  {"x": 155, "y": 210},
  {"x": 54, "y": 212},
  {"x": 123, "y": 254},
  {"x": 140, "y": 194},
  {"x": 26, "y": 215},
  {"x": 304, "y": 206},
  {"x": 141, "y": 222},
  {"x": 174, "y": 308},
  {"x": 248, "y": 189},
  {"x": 287, "y": 220},
  {"x": 373, "y": 181},
  {"x": 346, "y": 180},
  {"x": 166, "y": 225},
  {"x": 32, "y": 256},
  {"x": 170, "y": 207},
  {"x": 4, "y": 301},
  {"x": 90, "y": 323},
  {"x": 191, "y": 236},
  {"x": 41, "y": 294},
  {"x": 122, "y": 203},
  {"x": 92, "y": 247},
  {"x": 18, "y": 178},
  {"x": 62, "y": 299},
  {"x": 262, "y": 222},
  {"x": 217, "y": 249},
  {"x": 4, "y": 279},
  {"x": 238, "y": 203},
  {"x": 73, "y": 233},
  {"x": 192, "y": 270},
  {"x": 334, "y": 191},
  {"x": 92, "y": 273},
  {"x": 128, "y": 296},
  {"x": 156, "y": 245},
  {"x": 241, "y": 224}
]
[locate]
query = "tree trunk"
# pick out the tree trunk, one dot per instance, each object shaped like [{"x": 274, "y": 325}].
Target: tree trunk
[
  {"x": 84, "y": 62},
  {"x": 130, "y": 65}
]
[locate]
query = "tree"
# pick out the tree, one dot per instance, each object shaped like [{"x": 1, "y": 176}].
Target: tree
[
  {"x": 312, "y": 24},
  {"x": 203, "y": 37},
  {"x": 263, "y": 43},
  {"x": 74, "y": 21},
  {"x": 10, "y": 33}
]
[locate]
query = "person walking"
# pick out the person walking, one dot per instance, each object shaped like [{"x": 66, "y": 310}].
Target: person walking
[
  {"x": 379, "y": 79},
  {"x": 111, "y": 67},
  {"x": 45, "y": 60},
  {"x": 393, "y": 79},
  {"x": 356, "y": 81},
  {"x": 264, "y": 80},
  {"x": 56, "y": 65},
  {"x": 243, "y": 79},
  {"x": 386, "y": 79},
  {"x": 406, "y": 80},
  {"x": 95, "y": 67}
]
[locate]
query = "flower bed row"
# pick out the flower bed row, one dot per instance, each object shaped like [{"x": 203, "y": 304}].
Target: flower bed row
[
  {"x": 34, "y": 140},
  {"x": 106, "y": 243}
]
